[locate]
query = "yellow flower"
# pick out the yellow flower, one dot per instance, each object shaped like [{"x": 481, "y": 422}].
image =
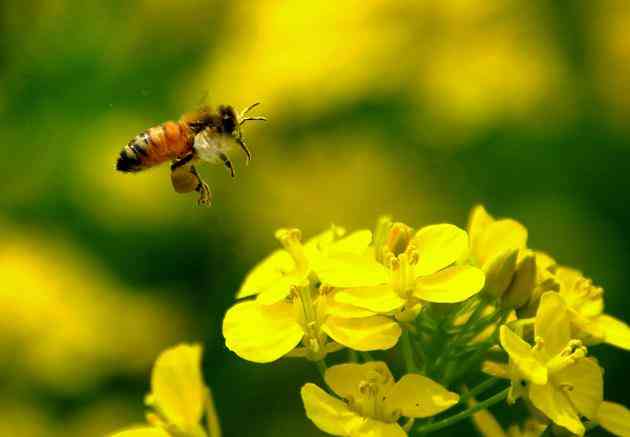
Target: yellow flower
[
  {"x": 291, "y": 308},
  {"x": 496, "y": 246},
  {"x": 586, "y": 307},
  {"x": 372, "y": 401},
  {"x": 615, "y": 418},
  {"x": 488, "y": 426},
  {"x": 178, "y": 397},
  {"x": 425, "y": 270},
  {"x": 555, "y": 374}
]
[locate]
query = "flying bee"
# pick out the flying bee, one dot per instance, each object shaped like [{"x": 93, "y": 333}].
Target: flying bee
[{"x": 200, "y": 135}]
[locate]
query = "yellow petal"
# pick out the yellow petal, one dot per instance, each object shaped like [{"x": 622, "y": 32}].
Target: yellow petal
[
  {"x": 365, "y": 334},
  {"x": 418, "y": 396},
  {"x": 586, "y": 385},
  {"x": 522, "y": 356},
  {"x": 454, "y": 284},
  {"x": 281, "y": 288},
  {"x": 329, "y": 414},
  {"x": 266, "y": 273},
  {"x": 346, "y": 379},
  {"x": 498, "y": 237},
  {"x": 142, "y": 432},
  {"x": 380, "y": 298},
  {"x": 439, "y": 246},
  {"x": 485, "y": 423},
  {"x": 552, "y": 323},
  {"x": 498, "y": 370},
  {"x": 317, "y": 245},
  {"x": 261, "y": 333},
  {"x": 616, "y": 332},
  {"x": 334, "y": 308},
  {"x": 356, "y": 243},
  {"x": 614, "y": 418},
  {"x": 554, "y": 404},
  {"x": 478, "y": 221},
  {"x": 351, "y": 270},
  {"x": 376, "y": 428},
  {"x": 177, "y": 386}
]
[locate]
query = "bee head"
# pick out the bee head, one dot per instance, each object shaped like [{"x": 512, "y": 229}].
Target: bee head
[{"x": 229, "y": 120}]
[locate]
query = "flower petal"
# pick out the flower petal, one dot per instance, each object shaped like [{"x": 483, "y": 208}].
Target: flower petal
[
  {"x": 552, "y": 323},
  {"x": 147, "y": 431},
  {"x": 439, "y": 246},
  {"x": 364, "y": 334},
  {"x": 376, "y": 428},
  {"x": 261, "y": 333},
  {"x": 380, "y": 298},
  {"x": 522, "y": 356},
  {"x": 329, "y": 414},
  {"x": 356, "y": 243},
  {"x": 345, "y": 379},
  {"x": 418, "y": 396},
  {"x": 281, "y": 288},
  {"x": 266, "y": 273},
  {"x": 499, "y": 236},
  {"x": 556, "y": 406},
  {"x": 334, "y": 308},
  {"x": 585, "y": 383},
  {"x": 454, "y": 284},
  {"x": 177, "y": 386},
  {"x": 616, "y": 332},
  {"x": 486, "y": 423},
  {"x": 351, "y": 270},
  {"x": 615, "y": 418},
  {"x": 478, "y": 221}
]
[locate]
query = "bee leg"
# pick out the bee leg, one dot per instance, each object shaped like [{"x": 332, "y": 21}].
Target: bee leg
[
  {"x": 185, "y": 179},
  {"x": 205, "y": 195},
  {"x": 227, "y": 163},
  {"x": 241, "y": 143}
]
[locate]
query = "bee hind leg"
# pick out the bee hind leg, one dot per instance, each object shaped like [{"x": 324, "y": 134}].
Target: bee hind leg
[{"x": 185, "y": 179}]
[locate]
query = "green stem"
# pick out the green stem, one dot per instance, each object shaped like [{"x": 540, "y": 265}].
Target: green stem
[
  {"x": 407, "y": 353},
  {"x": 366, "y": 357},
  {"x": 353, "y": 357},
  {"x": 478, "y": 389},
  {"x": 321, "y": 366},
  {"x": 425, "y": 429}
]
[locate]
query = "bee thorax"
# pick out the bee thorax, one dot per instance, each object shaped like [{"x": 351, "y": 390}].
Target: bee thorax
[{"x": 210, "y": 146}]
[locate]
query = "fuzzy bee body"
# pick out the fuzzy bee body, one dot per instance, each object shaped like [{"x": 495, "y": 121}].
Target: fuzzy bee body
[{"x": 203, "y": 134}]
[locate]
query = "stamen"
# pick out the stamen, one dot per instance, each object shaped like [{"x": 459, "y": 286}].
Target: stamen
[{"x": 290, "y": 239}]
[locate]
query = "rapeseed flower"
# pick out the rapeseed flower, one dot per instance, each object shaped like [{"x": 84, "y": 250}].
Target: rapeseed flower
[
  {"x": 555, "y": 374},
  {"x": 179, "y": 398},
  {"x": 373, "y": 401},
  {"x": 291, "y": 306},
  {"x": 586, "y": 311},
  {"x": 424, "y": 269}
]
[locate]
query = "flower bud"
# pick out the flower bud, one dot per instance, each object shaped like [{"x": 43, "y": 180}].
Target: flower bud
[
  {"x": 499, "y": 272},
  {"x": 523, "y": 283}
]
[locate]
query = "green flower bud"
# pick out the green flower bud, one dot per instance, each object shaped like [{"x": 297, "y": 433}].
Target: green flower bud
[
  {"x": 523, "y": 283},
  {"x": 499, "y": 272}
]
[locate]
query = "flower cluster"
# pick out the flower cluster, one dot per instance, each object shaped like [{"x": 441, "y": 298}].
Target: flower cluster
[{"x": 444, "y": 306}]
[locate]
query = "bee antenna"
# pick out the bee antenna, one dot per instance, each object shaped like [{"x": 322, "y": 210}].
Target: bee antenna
[
  {"x": 243, "y": 118},
  {"x": 249, "y": 108}
]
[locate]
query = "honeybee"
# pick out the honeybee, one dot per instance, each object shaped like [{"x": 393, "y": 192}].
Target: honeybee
[{"x": 200, "y": 135}]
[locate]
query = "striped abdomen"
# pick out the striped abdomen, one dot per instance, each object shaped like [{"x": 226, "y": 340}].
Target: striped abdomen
[{"x": 154, "y": 146}]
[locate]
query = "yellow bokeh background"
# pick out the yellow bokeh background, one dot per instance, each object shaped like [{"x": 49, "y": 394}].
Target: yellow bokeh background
[{"x": 417, "y": 109}]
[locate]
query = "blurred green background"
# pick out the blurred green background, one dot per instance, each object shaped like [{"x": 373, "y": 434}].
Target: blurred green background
[{"x": 418, "y": 109}]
